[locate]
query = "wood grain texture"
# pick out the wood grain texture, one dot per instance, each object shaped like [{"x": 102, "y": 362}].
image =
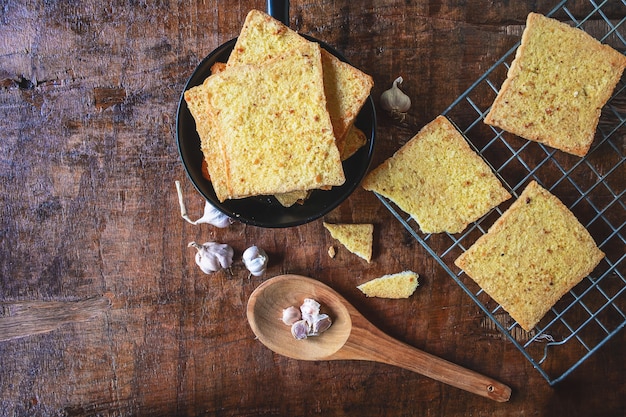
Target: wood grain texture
[{"x": 88, "y": 159}]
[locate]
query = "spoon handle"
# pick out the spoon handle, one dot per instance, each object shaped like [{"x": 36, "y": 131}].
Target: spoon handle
[{"x": 366, "y": 342}]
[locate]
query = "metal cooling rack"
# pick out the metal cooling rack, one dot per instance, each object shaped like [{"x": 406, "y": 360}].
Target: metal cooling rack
[{"x": 592, "y": 187}]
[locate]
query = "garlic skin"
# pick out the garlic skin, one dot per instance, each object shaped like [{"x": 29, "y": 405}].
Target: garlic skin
[
  {"x": 212, "y": 257},
  {"x": 395, "y": 101},
  {"x": 255, "y": 259}
]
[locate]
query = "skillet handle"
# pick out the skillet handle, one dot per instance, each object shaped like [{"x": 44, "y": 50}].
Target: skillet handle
[{"x": 279, "y": 10}]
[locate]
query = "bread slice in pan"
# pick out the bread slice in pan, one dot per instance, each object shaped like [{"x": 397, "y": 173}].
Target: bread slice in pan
[
  {"x": 268, "y": 130},
  {"x": 559, "y": 81},
  {"x": 438, "y": 179},
  {"x": 262, "y": 37},
  {"x": 535, "y": 253}
]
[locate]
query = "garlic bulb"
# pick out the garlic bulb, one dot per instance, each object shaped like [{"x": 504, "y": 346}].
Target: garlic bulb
[
  {"x": 395, "y": 101},
  {"x": 255, "y": 259},
  {"x": 212, "y": 257},
  {"x": 211, "y": 214}
]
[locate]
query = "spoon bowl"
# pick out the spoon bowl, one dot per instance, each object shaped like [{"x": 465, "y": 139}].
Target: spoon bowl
[{"x": 351, "y": 336}]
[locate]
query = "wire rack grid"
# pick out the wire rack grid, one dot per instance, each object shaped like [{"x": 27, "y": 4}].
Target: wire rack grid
[{"x": 592, "y": 187}]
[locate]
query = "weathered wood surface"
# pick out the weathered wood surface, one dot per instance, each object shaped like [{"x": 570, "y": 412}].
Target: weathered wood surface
[{"x": 88, "y": 211}]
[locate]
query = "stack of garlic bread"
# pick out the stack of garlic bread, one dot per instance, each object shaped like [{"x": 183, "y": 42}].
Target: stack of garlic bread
[{"x": 275, "y": 119}]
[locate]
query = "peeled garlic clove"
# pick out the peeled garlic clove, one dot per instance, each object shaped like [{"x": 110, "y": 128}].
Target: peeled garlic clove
[
  {"x": 255, "y": 259},
  {"x": 394, "y": 100},
  {"x": 300, "y": 329},
  {"x": 321, "y": 323},
  {"x": 212, "y": 257},
  {"x": 291, "y": 315}
]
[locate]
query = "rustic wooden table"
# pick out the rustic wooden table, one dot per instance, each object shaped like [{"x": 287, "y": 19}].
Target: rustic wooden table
[{"x": 108, "y": 313}]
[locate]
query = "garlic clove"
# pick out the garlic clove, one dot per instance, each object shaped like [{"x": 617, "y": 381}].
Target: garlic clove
[
  {"x": 212, "y": 215},
  {"x": 212, "y": 257},
  {"x": 291, "y": 315},
  {"x": 395, "y": 101},
  {"x": 255, "y": 259},
  {"x": 310, "y": 308},
  {"x": 300, "y": 329},
  {"x": 320, "y": 324}
]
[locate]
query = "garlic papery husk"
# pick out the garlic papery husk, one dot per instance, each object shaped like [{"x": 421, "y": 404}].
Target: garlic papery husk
[
  {"x": 255, "y": 259},
  {"x": 211, "y": 214},
  {"x": 212, "y": 256},
  {"x": 395, "y": 101}
]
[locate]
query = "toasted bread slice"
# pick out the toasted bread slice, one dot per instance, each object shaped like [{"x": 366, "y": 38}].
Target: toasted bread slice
[
  {"x": 357, "y": 238},
  {"x": 535, "y": 253},
  {"x": 268, "y": 130},
  {"x": 438, "y": 179},
  {"x": 262, "y": 37},
  {"x": 559, "y": 81},
  {"x": 400, "y": 285}
]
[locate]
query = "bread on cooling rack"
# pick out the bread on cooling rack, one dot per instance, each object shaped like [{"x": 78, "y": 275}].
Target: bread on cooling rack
[
  {"x": 399, "y": 285},
  {"x": 357, "y": 238},
  {"x": 265, "y": 128},
  {"x": 262, "y": 37},
  {"x": 438, "y": 179},
  {"x": 532, "y": 255},
  {"x": 559, "y": 81}
]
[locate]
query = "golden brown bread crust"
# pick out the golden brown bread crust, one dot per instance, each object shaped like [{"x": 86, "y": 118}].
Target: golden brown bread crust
[
  {"x": 559, "y": 81},
  {"x": 532, "y": 255}
]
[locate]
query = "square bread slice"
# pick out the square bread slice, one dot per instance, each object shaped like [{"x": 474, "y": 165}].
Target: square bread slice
[
  {"x": 399, "y": 285},
  {"x": 357, "y": 238},
  {"x": 438, "y": 179},
  {"x": 262, "y": 37},
  {"x": 535, "y": 253},
  {"x": 559, "y": 81},
  {"x": 265, "y": 128}
]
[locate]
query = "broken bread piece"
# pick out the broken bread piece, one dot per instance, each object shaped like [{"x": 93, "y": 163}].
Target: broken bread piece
[
  {"x": 346, "y": 88},
  {"x": 399, "y": 285},
  {"x": 532, "y": 255},
  {"x": 265, "y": 128},
  {"x": 357, "y": 238},
  {"x": 559, "y": 81},
  {"x": 438, "y": 179}
]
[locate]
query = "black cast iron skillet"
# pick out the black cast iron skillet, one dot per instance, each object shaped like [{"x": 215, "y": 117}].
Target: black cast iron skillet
[{"x": 266, "y": 211}]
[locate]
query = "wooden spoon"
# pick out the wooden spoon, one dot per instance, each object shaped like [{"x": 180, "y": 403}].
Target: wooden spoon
[{"x": 351, "y": 336}]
